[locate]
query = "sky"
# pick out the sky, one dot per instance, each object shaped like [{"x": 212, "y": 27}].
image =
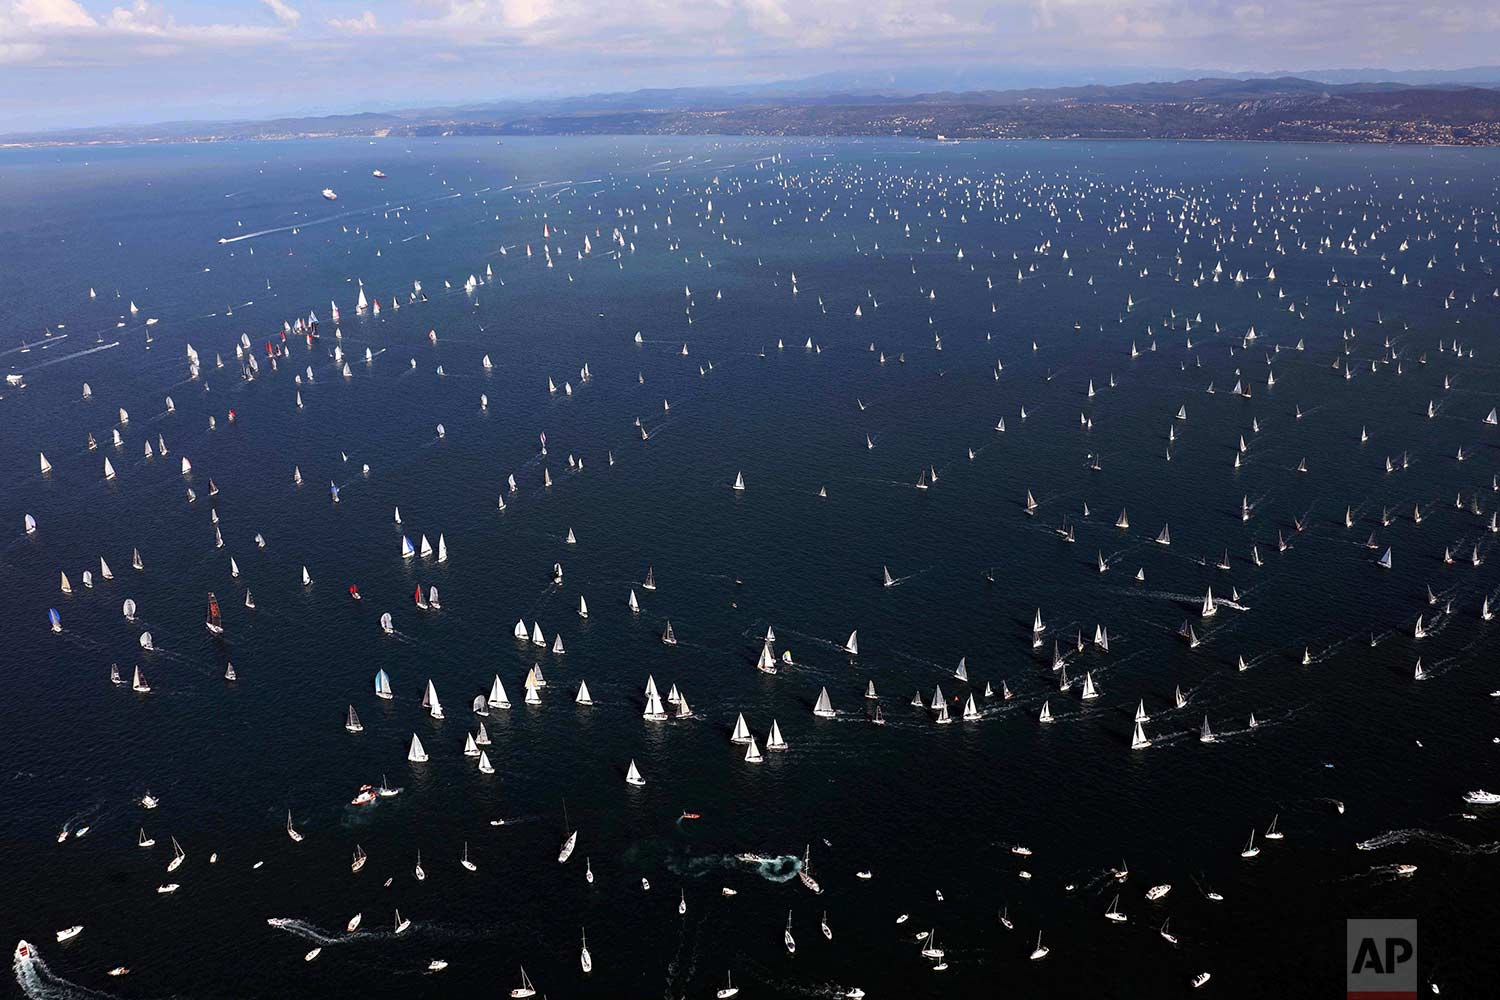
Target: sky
[{"x": 68, "y": 63}]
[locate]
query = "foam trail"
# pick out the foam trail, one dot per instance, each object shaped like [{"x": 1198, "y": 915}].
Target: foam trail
[
  {"x": 39, "y": 982},
  {"x": 70, "y": 357}
]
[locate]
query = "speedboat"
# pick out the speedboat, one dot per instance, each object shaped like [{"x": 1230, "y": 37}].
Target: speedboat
[
  {"x": 1406, "y": 869},
  {"x": 70, "y": 933},
  {"x": 866, "y": 874},
  {"x": 168, "y": 889},
  {"x": 1481, "y": 797},
  {"x": 437, "y": 965},
  {"x": 312, "y": 954},
  {"x": 1200, "y": 979},
  {"x": 1157, "y": 891},
  {"x": 366, "y": 795}
]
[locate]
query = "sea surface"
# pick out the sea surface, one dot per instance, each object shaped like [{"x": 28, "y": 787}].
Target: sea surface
[{"x": 1034, "y": 267}]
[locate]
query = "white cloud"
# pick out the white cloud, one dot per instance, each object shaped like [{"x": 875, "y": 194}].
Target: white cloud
[
  {"x": 51, "y": 14},
  {"x": 364, "y": 24},
  {"x": 285, "y": 13}
]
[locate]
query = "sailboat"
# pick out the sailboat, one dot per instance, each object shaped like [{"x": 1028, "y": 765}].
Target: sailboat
[
  {"x": 655, "y": 711},
  {"x": 1040, "y": 951},
  {"x": 291, "y": 831},
  {"x": 1250, "y": 850},
  {"x": 584, "y": 958},
  {"x": 824, "y": 708},
  {"x": 633, "y": 775},
  {"x": 383, "y": 685},
  {"x": 741, "y": 733},
  {"x": 775, "y": 741},
  {"x": 852, "y": 646},
  {"x": 178, "y": 856},
  {"x": 526, "y": 989},
  {"x": 416, "y": 754},
  {"x": 1113, "y": 913},
  {"x": 786, "y": 937},
  {"x": 729, "y": 990},
  {"x": 214, "y": 622},
  {"x": 804, "y": 873},
  {"x": 752, "y": 752},
  {"x": 464, "y": 860},
  {"x": 571, "y": 842},
  {"x": 359, "y": 859}
]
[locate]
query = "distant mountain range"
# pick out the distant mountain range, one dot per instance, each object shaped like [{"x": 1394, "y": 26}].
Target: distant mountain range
[{"x": 1425, "y": 107}]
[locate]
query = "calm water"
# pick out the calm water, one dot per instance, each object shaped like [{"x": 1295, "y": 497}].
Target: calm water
[{"x": 926, "y": 808}]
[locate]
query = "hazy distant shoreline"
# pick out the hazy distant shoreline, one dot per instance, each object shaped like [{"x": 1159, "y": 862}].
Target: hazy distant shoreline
[{"x": 1286, "y": 109}]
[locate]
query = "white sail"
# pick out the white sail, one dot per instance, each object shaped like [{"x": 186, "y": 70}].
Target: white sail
[
  {"x": 752, "y": 752},
  {"x": 852, "y": 646},
  {"x": 383, "y": 685},
  {"x": 430, "y": 701},
  {"x": 583, "y": 694},
  {"x": 497, "y": 698},
  {"x": 824, "y": 707},
  {"x": 633, "y": 775},
  {"x": 1138, "y": 739},
  {"x": 416, "y": 754},
  {"x": 741, "y": 732},
  {"x": 775, "y": 740}
]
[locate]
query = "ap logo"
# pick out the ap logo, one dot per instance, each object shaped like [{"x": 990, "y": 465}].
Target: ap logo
[{"x": 1381, "y": 960}]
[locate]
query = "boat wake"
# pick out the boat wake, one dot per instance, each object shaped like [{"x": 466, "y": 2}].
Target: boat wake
[
  {"x": 771, "y": 867},
  {"x": 70, "y": 357},
  {"x": 318, "y": 936},
  {"x": 39, "y": 982},
  {"x": 1426, "y": 838}
]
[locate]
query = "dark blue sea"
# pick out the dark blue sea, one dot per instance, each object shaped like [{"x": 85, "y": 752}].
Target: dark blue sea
[{"x": 944, "y": 288}]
